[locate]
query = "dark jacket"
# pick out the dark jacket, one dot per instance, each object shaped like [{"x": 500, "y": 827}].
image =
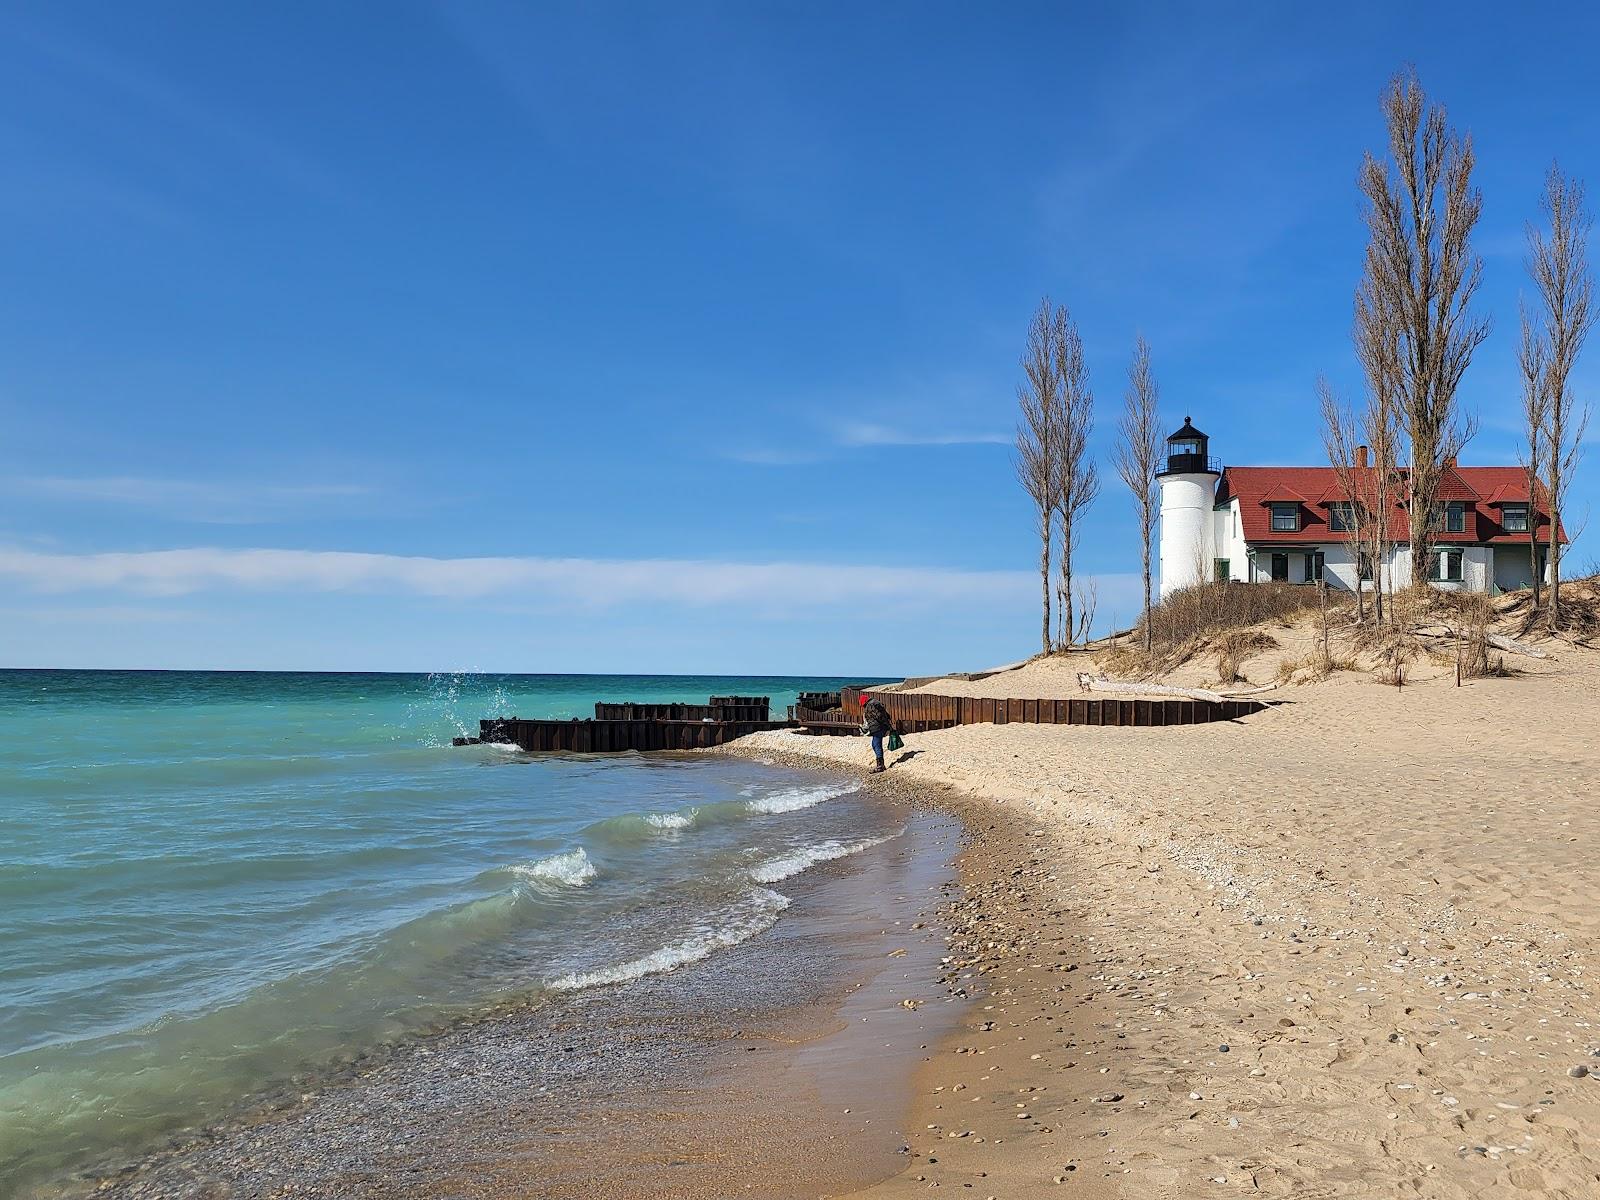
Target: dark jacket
[{"x": 876, "y": 718}]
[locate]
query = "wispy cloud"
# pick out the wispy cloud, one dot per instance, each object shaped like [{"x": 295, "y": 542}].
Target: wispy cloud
[
  {"x": 194, "y": 500},
  {"x": 103, "y": 614},
  {"x": 902, "y": 435},
  {"x": 863, "y": 435},
  {"x": 687, "y": 582}
]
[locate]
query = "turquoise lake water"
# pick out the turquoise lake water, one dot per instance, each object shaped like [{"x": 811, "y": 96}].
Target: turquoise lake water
[{"x": 216, "y": 883}]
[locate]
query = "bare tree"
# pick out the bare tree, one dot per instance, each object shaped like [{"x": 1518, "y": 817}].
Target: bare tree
[
  {"x": 1536, "y": 420},
  {"x": 1422, "y": 275},
  {"x": 1077, "y": 478},
  {"x": 1138, "y": 454},
  {"x": 1385, "y": 489},
  {"x": 1377, "y": 336},
  {"x": 1378, "y": 344},
  {"x": 1340, "y": 435},
  {"x": 1088, "y": 603},
  {"x": 1559, "y": 265},
  {"x": 1039, "y": 401}
]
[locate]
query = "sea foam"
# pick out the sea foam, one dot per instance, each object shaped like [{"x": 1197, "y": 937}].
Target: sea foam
[
  {"x": 571, "y": 868},
  {"x": 794, "y": 799},
  {"x": 672, "y": 820},
  {"x": 757, "y": 911},
  {"x": 792, "y": 863}
]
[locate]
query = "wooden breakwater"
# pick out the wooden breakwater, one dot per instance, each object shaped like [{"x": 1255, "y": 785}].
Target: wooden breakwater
[
  {"x": 718, "y": 708},
  {"x": 918, "y": 713},
  {"x": 652, "y": 712},
  {"x": 615, "y": 737},
  {"x": 617, "y": 728}
]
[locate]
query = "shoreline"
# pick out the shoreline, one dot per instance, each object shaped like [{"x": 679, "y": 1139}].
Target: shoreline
[
  {"x": 978, "y": 1101},
  {"x": 1343, "y": 947},
  {"x": 686, "y": 1083}
]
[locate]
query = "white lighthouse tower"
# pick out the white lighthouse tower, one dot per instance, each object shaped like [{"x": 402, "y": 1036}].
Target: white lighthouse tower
[{"x": 1188, "y": 493}]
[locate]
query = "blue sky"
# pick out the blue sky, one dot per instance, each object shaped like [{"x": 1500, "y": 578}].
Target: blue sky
[{"x": 650, "y": 337}]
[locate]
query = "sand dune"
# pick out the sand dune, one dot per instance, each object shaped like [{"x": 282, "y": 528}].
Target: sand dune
[{"x": 1381, "y": 902}]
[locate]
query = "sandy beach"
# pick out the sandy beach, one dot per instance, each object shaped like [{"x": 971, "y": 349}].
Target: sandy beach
[
  {"x": 782, "y": 1063},
  {"x": 1341, "y": 947},
  {"x": 468, "y": 467}
]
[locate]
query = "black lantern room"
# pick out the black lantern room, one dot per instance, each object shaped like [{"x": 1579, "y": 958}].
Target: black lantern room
[{"x": 1188, "y": 452}]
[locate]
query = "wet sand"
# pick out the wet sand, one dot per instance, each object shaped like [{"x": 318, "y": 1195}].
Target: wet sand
[
  {"x": 1342, "y": 948},
  {"x": 776, "y": 1068}
]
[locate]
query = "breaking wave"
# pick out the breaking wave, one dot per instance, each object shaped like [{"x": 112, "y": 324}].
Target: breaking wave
[
  {"x": 672, "y": 820},
  {"x": 755, "y": 911},
  {"x": 794, "y": 799},
  {"x": 635, "y": 828},
  {"x": 792, "y": 863},
  {"x": 571, "y": 868}
]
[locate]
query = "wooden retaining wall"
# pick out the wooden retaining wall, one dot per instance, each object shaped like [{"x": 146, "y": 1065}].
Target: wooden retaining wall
[
  {"x": 614, "y": 737},
  {"x": 916, "y": 713},
  {"x": 644, "y": 730},
  {"x": 741, "y": 708},
  {"x": 652, "y": 712},
  {"x": 825, "y": 720},
  {"x": 819, "y": 701},
  {"x": 721, "y": 708}
]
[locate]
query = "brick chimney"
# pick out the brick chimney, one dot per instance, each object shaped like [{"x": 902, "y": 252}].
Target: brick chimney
[
  {"x": 1361, "y": 456},
  {"x": 1450, "y": 461}
]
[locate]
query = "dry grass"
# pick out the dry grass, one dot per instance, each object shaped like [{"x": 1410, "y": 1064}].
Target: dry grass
[
  {"x": 1472, "y": 616},
  {"x": 1425, "y": 630},
  {"x": 1445, "y": 629},
  {"x": 1236, "y": 645},
  {"x": 1314, "y": 667},
  {"x": 1580, "y": 612},
  {"x": 1196, "y": 620},
  {"x": 1393, "y": 646},
  {"x": 1391, "y": 666},
  {"x": 1212, "y": 608}
]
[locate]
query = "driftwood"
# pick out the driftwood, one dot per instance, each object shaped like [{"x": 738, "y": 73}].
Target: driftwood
[
  {"x": 1497, "y": 640},
  {"x": 1239, "y": 693},
  {"x": 1095, "y": 683},
  {"x": 1512, "y": 646}
]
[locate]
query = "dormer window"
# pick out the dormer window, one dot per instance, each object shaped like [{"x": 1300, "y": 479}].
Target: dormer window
[
  {"x": 1450, "y": 518},
  {"x": 1514, "y": 518},
  {"x": 1341, "y": 516},
  {"x": 1285, "y": 518}
]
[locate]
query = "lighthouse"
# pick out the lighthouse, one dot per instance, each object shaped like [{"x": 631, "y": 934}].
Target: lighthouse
[{"x": 1188, "y": 492}]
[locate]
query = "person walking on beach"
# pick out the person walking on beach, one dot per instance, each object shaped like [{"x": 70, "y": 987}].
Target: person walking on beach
[{"x": 875, "y": 720}]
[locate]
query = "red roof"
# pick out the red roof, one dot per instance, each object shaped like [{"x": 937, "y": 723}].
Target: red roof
[
  {"x": 1282, "y": 493},
  {"x": 1512, "y": 493},
  {"x": 1483, "y": 490},
  {"x": 1453, "y": 486}
]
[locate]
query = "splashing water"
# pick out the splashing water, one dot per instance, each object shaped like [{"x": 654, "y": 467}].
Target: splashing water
[{"x": 215, "y": 880}]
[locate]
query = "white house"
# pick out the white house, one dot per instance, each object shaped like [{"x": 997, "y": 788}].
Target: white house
[{"x": 1291, "y": 523}]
